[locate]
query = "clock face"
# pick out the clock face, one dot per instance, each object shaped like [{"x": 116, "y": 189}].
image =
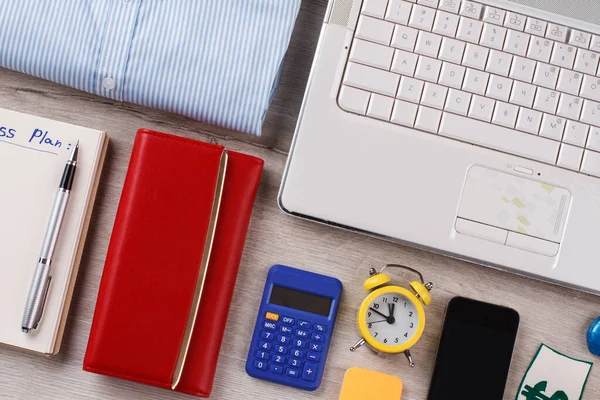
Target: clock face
[{"x": 392, "y": 319}]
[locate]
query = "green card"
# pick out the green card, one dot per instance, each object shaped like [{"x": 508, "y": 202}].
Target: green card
[{"x": 554, "y": 376}]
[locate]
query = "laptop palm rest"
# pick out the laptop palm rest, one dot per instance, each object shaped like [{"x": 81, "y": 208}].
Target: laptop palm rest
[{"x": 512, "y": 210}]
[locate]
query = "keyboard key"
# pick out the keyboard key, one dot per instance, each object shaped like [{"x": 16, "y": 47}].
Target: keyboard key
[
  {"x": 428, "y": 119},
  {"x": 482, "y": 108},
  {"x": 283, "y": 339},
  {"x": 475, "y": 81},
  {"x": 404, "y": 113},
  {"x": 452, "y": 75},
  {"x": 315, "y": 347},
  {"x": 557, "y": 32},
  {"x": 294, "y": 373},
  {"x": 540, "y": 49},
  {"x": 313, "y": 357},
  {"x": 297, "y": 353},
  {"x": 429, "y": 3},
  {"x": 398, "y": 11},
  {"x": 523, "y": 69},
  {"x": 404, "y": 63},
  {"x": 262, "y": 355},
  {"x": 552, "y": 127},
  {"x": 278, "y": 369},
  {"x": 452, "y": 50},
  {"x": 434, "y": 95},
  {"x": 428, "y": 44},
  {"x": 276, "y": 358},
  {"x": 570, "y": 157},
  {"x": 569, "y": 107},
  {"x": 371, "y": 79},
  {"x": 529, "y": 121},
  {"x": 320, "y": 328},
  {"x": 280, "y": 349},
  {"x": 354, "y": 100},
  {"x": 374, "y": 8},
  {"x": 499, "y": 63},
  {"x": 380, "y": 107},
  {"x": 270, "y": 325},
  {"x": 267, "y": 335},
  {"x": 586, "y": 62},
  {"x": 422, "y": 18},
  {"x": 294, "y": 362},
  {"x": 545, "y": 75},
  {"x": 591, "y": 163},
  {"x": 493, "y": 36},
  {"x": 595, "y": 45},
  {"x": 593, "y": 142},
  {"x": 522, "y": 94},
  {"x": 458, "y": 102},
  {"x": 372, "y": 54},
  {"x": 317, "y": 337},
  {"x": 576, "y": 133},
  {"x": 299, "y": 343},
  {"x": 288, "y": 320},
  {"x": 410, "y": 89},
  {"x": 499, "y": 88},
  {"x": 471, "y": 9},
  {"x": 505, "y": 114},
  {"x": 404, "y": 38},
  {"x": 580, "y": 39},
  {"x": 302, "y": 333},
  {"x": 475, "y": 56},
  {"x": 494, "y": 15},
  {"x": 286, "y": 329},
  {"x": 428, "y": 69},
  {"x": 563, "y": 55},
  {"x": 499, "y": 138},
  {"x": 515, "y": 21},
  {"x": 272, "y": 316},
  {"x": 469, "y": 30},
  {"x": 374, "y": 30},
  {"x": 446, "y": 23},
  {"x": 590, "y": 113},
  {"x": 590, "y": 88},
  {"x": 569, "y": 81},
  {"x": 546, "y": 100},
  {"x": 264, "y": 345},
  {"x": 309, "y": 372},
  {"x": 536, "y": 27},
  {"x": 260, "y": 364},
  {"x": 516, "y": 42},
  {"x": 450, "y": 5}
]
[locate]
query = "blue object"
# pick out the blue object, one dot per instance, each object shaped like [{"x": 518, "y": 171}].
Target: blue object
[
  {"x": 212, "y": 60},
  {"x": 301, "y": 308},
  {"x": 593, "y": 337}
]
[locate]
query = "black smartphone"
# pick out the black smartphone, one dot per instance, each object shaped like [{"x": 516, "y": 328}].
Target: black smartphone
[{"x": 475, "y": 351}]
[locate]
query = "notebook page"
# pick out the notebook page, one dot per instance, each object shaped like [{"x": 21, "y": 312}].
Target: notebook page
[{"x": 33, "y": 153}]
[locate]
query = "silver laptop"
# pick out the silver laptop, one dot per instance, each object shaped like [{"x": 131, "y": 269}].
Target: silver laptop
[{"x": 468, "y": 128}]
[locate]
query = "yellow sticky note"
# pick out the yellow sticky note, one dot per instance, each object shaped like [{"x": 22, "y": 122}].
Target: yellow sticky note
[{"x": 362, "y": 384}]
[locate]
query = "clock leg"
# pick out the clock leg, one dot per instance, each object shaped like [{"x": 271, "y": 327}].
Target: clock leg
[
  {"x": 410, "y": 359},
  {"x": 357, "y": 345}
]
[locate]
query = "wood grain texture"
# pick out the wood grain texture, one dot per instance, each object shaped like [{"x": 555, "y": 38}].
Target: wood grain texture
[{"x": 550, "y": 314}]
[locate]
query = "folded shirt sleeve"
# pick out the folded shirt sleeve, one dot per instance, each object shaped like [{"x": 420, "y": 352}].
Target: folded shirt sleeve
[{"x": 211, "y": 60}]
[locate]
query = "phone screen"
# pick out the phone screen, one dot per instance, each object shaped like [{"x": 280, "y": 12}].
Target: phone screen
[{"x": 475, "y": 351}]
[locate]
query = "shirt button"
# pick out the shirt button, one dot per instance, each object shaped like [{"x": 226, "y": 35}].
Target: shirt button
[{"x": 108, "y": 83}]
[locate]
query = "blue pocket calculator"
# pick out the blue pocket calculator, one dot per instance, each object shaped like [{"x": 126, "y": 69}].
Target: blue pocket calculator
[{"x": 294, "y": 327}]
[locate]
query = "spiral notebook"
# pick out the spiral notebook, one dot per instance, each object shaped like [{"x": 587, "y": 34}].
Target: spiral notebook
[{"x": 33, "y": 153}]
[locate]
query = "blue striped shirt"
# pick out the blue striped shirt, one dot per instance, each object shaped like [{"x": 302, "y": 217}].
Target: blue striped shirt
[{"x": 216, "y": 61}]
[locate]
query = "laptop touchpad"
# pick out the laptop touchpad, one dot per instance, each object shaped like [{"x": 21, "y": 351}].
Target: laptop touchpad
[{"x": 513, "y": 210}]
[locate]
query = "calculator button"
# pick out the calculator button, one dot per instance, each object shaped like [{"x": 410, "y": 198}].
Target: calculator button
[
  {"x": 294, "y": 362},
  {"x": 297, "y": 353},
  {"x": 283, "y": 339},
  {"x": 299, "y": 343},
  {"x": 304, "y": 324},
  {"x": 280, "y": 349},
  {"x": 267, "y": 335},
  {"x": 272, "y": 316},
  {"x": 294, "y": 373},
  {"x": 260, "y": 364},
  {"x": 302, "y": 333},
  {"x": 315, "y": 347},
  {"x": 270, "y": 325},
  {"x": 287, "y": 320},
  {"x": 309, "y": 372},
  {"x": 320, "y": 328},
  {"x": 278, "y": 359},
  {"x": 286, "y": 329},
  {"x": 317, "y": 337},
  {"x": 262, "y": 355},
  {"x": 278, "y": 369},
  {"x": 313, "y": 356},
  {"x": 264, "y": 345}
]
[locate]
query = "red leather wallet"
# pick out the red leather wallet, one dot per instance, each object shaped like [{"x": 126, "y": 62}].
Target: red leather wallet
[{"x": 172, "y": 263}]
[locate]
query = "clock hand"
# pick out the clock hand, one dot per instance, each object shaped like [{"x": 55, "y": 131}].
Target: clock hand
[
  {"x": 393, "y": 309},
  {"x": 375, "y": 311},
  {"x": 376, "y": 322}
]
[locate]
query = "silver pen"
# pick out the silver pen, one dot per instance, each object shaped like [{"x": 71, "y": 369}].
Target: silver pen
[{"x": 38, "y": 291}]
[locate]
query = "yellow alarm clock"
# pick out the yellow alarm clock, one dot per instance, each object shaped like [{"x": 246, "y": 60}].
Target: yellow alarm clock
[{"x": 391, "y": 319}]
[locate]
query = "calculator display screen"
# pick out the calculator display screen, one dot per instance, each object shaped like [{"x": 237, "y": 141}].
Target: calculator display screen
[{"x": 302, "y": 301}]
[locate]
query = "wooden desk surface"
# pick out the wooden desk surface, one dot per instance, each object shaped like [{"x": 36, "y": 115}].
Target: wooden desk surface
[{"x": 550, "y": 314}]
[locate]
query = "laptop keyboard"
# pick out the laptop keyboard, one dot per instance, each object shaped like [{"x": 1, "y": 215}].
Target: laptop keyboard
[{"x": 481, "y": 75}]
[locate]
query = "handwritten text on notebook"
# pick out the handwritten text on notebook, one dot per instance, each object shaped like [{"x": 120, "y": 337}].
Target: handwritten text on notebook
[{"x": 38, "y": 139}]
